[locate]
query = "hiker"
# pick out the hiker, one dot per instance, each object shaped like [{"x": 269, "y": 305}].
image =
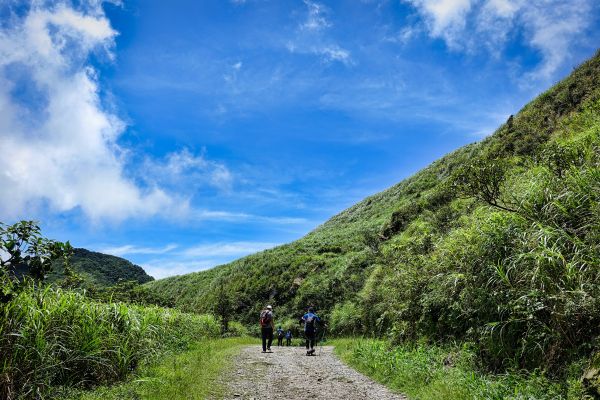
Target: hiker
[
  {"x": 310, "y": 320},
  {"x": 288, "y": 337},
  {"x": 280, "y": 335},
  {"x": 266, "y": 328}
]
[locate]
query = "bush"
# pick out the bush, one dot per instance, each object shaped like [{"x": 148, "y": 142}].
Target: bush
[
  {"x": 346, "y": 319},
  {"x": 236, "y": 329}
]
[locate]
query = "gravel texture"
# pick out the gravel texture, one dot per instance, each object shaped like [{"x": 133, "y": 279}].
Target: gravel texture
[{"x": 289, "y": 374}]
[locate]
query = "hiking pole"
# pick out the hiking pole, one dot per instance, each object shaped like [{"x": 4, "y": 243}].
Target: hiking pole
[{"x": 321, "y": 341}]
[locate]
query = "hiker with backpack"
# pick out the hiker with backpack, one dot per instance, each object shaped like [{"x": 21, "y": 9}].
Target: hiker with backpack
[
  {"x": 280, "y": 335},
  {"x": 288, "y": 337},
  {"x": 266, "y": 328},
  {"x": 310, "y": 320}
]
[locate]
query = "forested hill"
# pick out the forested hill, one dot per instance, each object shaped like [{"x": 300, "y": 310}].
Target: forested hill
[
  {"x": 496, "y": 244},
  {"x": 100, "y": 269}
]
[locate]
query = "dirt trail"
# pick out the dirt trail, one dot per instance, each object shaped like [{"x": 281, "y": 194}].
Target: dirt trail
[{"x": 289, "y": 374}]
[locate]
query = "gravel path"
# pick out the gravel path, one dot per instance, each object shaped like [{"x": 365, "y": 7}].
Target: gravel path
[{"x": 289, "y": 374}]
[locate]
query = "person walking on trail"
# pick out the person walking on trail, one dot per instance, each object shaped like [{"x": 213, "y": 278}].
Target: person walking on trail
[
  {"x": 288, "y": 337},
  {"x": 310, "y": 320},
  {"x": 266, "y": 328},
  {"x": 280, "y": 335}
]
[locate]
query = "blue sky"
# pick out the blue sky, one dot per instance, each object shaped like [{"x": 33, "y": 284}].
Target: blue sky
[{"x": 184, "y": 134}]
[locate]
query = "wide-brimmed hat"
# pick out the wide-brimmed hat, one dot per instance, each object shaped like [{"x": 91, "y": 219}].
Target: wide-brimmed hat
[{"x": 269, "y": 308}]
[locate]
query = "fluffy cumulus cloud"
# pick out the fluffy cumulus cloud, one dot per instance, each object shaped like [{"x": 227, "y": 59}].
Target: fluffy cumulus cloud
[
  {"x": 59, "y": 144},
  {"x": 548, "y": 26}
]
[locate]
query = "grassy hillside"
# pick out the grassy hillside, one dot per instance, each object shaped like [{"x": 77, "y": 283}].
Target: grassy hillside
[
  {"x": 496, "y": 244},
  {"x": 100, "y": 269}
]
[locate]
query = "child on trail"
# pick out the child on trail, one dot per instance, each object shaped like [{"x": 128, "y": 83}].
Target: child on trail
[
  {"x": 280, "y": 335},
  {"x": 266, "y": 328},
  {"x": 288, "y": 337},
  {"x": 310, "y": 320}
]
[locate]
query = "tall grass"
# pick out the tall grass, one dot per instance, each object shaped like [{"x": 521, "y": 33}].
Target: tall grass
[
  {"x": 447, "y": 372},
  {"x": 50, "y": 338}
]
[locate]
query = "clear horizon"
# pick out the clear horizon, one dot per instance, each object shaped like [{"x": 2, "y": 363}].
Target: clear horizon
[{"x": 187, "y": 135}]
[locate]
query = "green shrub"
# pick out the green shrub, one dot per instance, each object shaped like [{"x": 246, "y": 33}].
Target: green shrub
[
  {"x": 346, "y": 319},
  {"x": 236, "y": 329}
]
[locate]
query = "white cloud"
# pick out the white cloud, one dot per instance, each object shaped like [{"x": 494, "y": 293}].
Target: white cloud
[
  {"x": 553, "y": 26},
  {"x": 201, "y": 257},
  {"x": 58, "y": 141},
  {"x": 183, "y": 171},
  {"x": 316, "y": 18},
  {"x": 404, "y": 36},
  {"x": 227, "y": 249},
  {"x": 444, "y": 17},
  {"x": 159, "y": 268},
  {"x": 328, "y": 53},
  {"x": 335, "y": 53},
  {"x": 312, "y": 37},
  {"x": 127, "y": 249},
  {"x": 550, "y": 26},
  {"x": 210, "y": 215}
]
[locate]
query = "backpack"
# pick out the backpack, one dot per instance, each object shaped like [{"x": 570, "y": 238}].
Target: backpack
[
  {"x": 265, "y": 318},
  {"x": 280, "y": 334},
  {"x": 310, "y": 322}
]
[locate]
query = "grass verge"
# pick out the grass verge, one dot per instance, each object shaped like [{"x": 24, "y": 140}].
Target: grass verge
[
  {"x": 432, "y": 372},
  {"x": 192, "y": 374}
]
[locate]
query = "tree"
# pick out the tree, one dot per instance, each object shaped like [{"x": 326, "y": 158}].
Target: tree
[
  {"x": 223, "y": 306},
  {"x": 483, "y": 179},
  {"x": 24, "y": 252}
]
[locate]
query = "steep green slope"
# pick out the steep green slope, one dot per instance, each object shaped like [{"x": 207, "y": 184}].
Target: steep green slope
[
  {"x": 496, "y": 244},
  {"x": 100, "y": 269}
]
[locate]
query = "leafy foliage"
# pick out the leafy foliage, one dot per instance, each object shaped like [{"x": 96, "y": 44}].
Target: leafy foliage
[{"x": 24, "y": 253}]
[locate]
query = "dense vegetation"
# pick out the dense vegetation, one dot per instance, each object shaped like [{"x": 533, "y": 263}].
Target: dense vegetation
[
  {"x": 496, "y": 245},
  {"x": 100, "y": 269},
  {"x": 51, "y": 338},
  {"x": 445, "y": 372}
]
